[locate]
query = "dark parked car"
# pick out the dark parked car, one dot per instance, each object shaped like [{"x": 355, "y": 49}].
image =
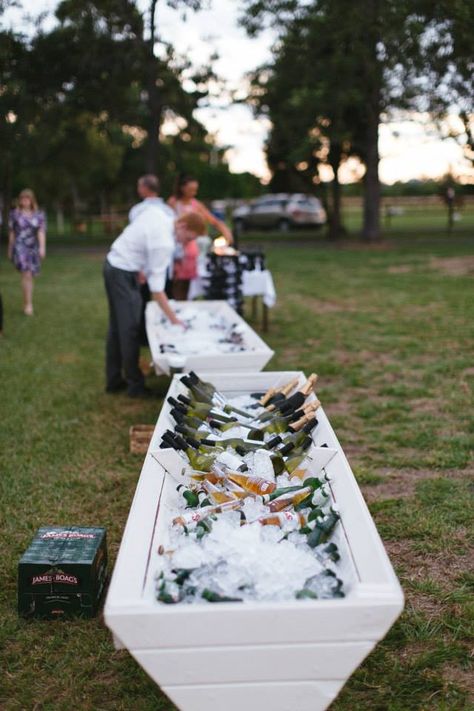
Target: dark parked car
[{"x": 280, "y": 211}]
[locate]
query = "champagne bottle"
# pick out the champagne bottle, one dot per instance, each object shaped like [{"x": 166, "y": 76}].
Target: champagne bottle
[
  {"x": 296, "y": 437},
  {"x": 295, "y": 413},
  {"x": 196, "y": 423},
  {"x": 200, "y": 387},
  {"x": 191, "y": 422},
  {"x": 197, "y": 389},
  {"x": 224, "y": 426},
  {"x": 278, "y": 458},
  {"x": 274, "y": 393},
  {"x": 199, "y": 435},
  {"x": 200, "y": 410},
  {"x": 280, "y": 424},
  {"x": 297, "y": 457},
  {"x": 228, "y": 408},
  {"x": 277, "y": 425},
  {"x": 246, "y": 445},
  {"x": 293, "y": 402},
  {"x": 198, "y": 461}
]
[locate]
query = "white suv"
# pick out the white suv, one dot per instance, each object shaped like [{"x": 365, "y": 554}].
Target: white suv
[{"x": 281, "y": 211}]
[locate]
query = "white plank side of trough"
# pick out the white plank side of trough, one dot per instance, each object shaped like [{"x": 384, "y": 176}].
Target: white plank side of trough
[
  {"x": 253, "y": 382},
  {"x": 283, "y": 696},
  {"x": 126, "y": 586},
  {"x": 117, "y": 643},
  {"x": 250, "y": 360},
  {"x": 368, "y": 552},
  {"x": 239, "y": 664},
  {"x": 304, "y": 621}
]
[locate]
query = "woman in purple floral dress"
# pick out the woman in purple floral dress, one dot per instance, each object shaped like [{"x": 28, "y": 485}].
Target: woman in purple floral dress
[{"x": 27, "y": 243}]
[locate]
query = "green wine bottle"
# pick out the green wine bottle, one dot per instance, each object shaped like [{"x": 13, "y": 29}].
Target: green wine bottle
[
  {"x": 323, "y": 529},
  {"x": 298, "y": 456},
  {"x": 296, "y": 437}
]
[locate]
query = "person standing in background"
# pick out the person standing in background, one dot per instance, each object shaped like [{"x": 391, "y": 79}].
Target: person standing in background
[
  {"x": 187, "y": 228},
  {"x": 27, "y": 243},
  {"x": 148, "y": 188},
  {"x": 184, "y": 201},
  {"x": 145, "y": 245}
]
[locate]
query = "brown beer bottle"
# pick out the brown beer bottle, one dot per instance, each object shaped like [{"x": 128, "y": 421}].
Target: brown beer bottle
[
  {"x": 292, "y": 499},
  {"x": 284, "y": 519},
  {"x": 253, "y": 484}
]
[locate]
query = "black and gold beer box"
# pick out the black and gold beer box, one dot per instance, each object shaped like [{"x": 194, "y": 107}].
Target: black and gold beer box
[{"x": 63, "y": 573}]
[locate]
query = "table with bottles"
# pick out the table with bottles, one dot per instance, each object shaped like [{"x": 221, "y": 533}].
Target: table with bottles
[
  {"x": 215, "y": 337},
  {"x": 291, "y": 645},
  {"x": 234, "y": 277}
]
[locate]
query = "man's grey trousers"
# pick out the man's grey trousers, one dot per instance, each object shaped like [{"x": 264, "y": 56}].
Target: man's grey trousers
[{"x": 123, "y": 337}]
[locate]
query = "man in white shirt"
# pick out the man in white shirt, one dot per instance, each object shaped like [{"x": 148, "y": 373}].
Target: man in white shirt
[
  {"x": 146, "y": 245},
  {"x": 148, "y": 188}
]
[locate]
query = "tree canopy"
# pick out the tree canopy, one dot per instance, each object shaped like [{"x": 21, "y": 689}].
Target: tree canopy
[
  {"x": 339, "y": 68},
  {"x": 83, "y": 106}
]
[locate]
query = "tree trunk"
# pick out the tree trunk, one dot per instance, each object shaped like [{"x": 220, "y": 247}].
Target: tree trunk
[
  {"x": 374, "y": 79},
  {"x": 154, "y": 104},
  {"x": 59, "y": 218},
  {"x": 335, "y": 223},
  {"x": 6, "y": 195},
  {"x": 371, "y": 224}
]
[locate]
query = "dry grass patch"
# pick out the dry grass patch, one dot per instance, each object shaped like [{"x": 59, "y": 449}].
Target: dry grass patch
[
  {"x": 401, "y": 484},
  {"x": 453, "y": 266},
  {"x": 320, "y": 306},
  {"x": 438, "y": 567},
  {"x": 400, "y": 269},
  {"x": 67, "y": 358},
  {"x": 464, "y": 678}
]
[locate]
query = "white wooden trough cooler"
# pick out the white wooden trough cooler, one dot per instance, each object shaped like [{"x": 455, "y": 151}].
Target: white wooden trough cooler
[
  {"x": 288, "y": 656},
  {"x": 253, "y": 359}
]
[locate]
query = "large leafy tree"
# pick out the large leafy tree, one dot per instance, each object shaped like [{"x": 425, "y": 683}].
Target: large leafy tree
[
  {"x": 82, "y": 105},
  {"x": 316, "y": 122},
  {"x": 17, "y": 111},
  {"x": 357, "y": 63}
]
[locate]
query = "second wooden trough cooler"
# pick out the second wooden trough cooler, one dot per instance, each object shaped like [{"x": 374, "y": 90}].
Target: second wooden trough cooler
[
  {"x": 283, "y": 656},
  {"x": 218, "y": 339}
]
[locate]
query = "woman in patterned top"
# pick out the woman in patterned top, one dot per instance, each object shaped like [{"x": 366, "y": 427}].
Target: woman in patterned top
[{"x": 27, "y": 243}]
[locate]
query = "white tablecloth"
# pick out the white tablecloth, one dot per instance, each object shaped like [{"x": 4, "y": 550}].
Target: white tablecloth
[{"x": 254, "y": 283}]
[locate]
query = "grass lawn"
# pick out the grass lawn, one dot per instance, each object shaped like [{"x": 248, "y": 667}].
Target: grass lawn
[{"x": 390, "y": 332}]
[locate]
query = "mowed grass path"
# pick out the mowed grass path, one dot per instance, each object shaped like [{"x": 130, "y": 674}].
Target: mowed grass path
[{"x": 390, "y": 333}]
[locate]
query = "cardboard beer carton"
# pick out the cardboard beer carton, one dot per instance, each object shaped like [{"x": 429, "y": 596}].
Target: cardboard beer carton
[{"x": 63, "y": 573}]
